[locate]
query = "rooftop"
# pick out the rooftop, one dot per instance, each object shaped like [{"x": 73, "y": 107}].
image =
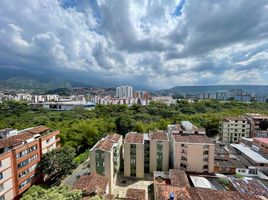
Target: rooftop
[
  {"x": 93, "y": 183},
  {"x": 192, "y": 139},
  {"x": 240, "y": 118},
  {"x": 250, "y": 153},
  {"x": 178, "y": 178},
  {"x": 22, "y": 136},
  {"x": 263, "y": 140},
  {"x": 161, "y": 135},
  {"x": 201, "y": 182},
  {"x": 114, "y": 137},
  {"x": 105, "y": 145},
  {"x": 133, "y": 138},
  {"x": 249, "y": 186},
  {"x": 136, "y": 194},
  {"x": 190, "y": 193},
  {"x": 256, "y": 115}
]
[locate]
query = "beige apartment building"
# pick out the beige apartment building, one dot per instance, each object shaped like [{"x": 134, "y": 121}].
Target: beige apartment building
[
  {"x": 145, "y": 153},
  {"x": 105, "y": 157},
  {"x": 231, "y": 129},
  {"x": 134, "y": 155},
  {"x": 190, "y": 149}
]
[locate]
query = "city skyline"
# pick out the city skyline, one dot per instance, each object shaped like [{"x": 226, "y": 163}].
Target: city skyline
[{"x": 151, "y": 44}]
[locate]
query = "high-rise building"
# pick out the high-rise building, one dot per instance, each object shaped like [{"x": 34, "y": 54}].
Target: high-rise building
[
  {"x": 124, "y": 91},
  {"x": 191, "y": 149},
  {"x": 20, "y": 152},
  {"x": 105, "y": 158},
  {"x": 232, "y": 128}
]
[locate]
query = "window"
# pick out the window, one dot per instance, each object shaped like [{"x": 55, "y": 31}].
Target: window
[
  {"x": 183, "y": 158},
  {"x": 1, "y": 175},
  {"x": 205, "y": 153},
  {"x": 2, "y": 197},
  {"x": 132, "y": 161},
  {"x": 205, "y": 159},
  {"x": 205, "y": 167},
  {"x": 1, "y": 187},
  {"x": 25, "y": 162},
  {"x": 26, "y": 151},
  {"x": 0, "y": 165}
]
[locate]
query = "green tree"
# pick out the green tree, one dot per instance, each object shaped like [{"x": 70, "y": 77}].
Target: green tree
[
  {"x": 57, "y": 193},
  {"x": 57, "y": 163}
]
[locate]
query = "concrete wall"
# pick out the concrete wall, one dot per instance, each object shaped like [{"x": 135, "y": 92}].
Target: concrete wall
[
  {"x": 140, "y": 160},
  {"x": 126, "y": 159}
]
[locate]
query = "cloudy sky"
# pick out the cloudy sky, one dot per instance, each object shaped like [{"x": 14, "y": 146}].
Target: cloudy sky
[{"x": 148, "y": 43}]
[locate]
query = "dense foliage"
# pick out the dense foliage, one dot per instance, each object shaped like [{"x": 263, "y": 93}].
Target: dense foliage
[
  {"x": 57, "y": 163},
  {"x": 81, "y": 128},
  {"x": 60, "y": 193}
]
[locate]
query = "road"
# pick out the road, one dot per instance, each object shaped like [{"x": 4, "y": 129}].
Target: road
[{"x": 82, "y": 169}]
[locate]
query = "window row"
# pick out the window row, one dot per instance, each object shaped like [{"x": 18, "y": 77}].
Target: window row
[
  {"x": 27, "y": 171},
  {"x": 25, "y": 162},
  {"x": 24, "y": 183},
  {"x": 26, "y": 151}
]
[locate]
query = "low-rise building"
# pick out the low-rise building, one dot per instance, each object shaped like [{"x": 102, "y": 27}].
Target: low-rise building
[
  {"x": 105, "y": 157},
  {"x": 232, "y": 128},
  {"x": 261, "y": 145},
  {"x": 20, "y": 152},
  {"x": 190, "y": 148},
  {"x": 91, "y": 185},
  {"x": 134, "y": 155},
  {"x": 252, "y": 156},
  {"x": 259, "y": 124},
  {"x": 145, "y": 153}
]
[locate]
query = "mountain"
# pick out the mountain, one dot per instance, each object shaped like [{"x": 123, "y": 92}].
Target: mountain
[
  {"x": 25, "y": 83},
  {"x": 193, "y": 90}
]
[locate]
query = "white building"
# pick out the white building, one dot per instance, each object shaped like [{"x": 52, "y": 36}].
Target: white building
[
  {"x": 124, "y": 91},
  {"x": 232, "y": 128}
]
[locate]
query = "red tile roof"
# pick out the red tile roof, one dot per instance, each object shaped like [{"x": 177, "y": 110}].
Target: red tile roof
[
  {"x": 178, "y": 178},
  {"x": 22, "y": 136},
  {"x": 105, "y": 145},
  {"x": 93, "y": 183},
  {"x": 192, "y": 138},
  {"x": 15, "y": 140},
  {"x": 159, "y": 135},
  {"x": 114, "y": 137},
  {"x": 263, "y": 140},
  {"x": 134, "y": 138},
  {"x": 136, "y": 194}
]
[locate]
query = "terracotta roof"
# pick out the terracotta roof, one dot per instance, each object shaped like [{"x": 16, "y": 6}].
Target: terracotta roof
[
  {"x": 134, "y": 138},
  {"x": 192, "y": 138},
  {"x": 93, "y": 183},
  {"x": 105, "y": 145},
  {"x": 178, "y": 178},
  {"x": 263, "y": 140},
  {"x": 191, "y": 193},
  {"x": 15, "y": 140},
  {"x": 114, "y": 137},
  {"x": 38, "y": 129},
  {"x": 161, "y": 135},
  {"x": 136, "y": 194}
]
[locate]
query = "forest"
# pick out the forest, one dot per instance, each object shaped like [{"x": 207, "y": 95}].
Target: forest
[{"x": 81, "y": 128}]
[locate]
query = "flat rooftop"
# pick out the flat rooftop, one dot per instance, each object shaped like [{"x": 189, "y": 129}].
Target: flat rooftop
[
  {"x": 188, "y": 138},
  {"x": 263, "y": 140},
  {"x": 250, "y": 153},
  {"x": 134, "y": 138}
]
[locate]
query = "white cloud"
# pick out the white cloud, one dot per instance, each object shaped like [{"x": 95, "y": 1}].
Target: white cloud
[{"x": 137, "y": 41}]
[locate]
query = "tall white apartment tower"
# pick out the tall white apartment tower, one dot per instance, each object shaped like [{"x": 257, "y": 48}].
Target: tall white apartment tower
[{"x": 124, "y": 91}]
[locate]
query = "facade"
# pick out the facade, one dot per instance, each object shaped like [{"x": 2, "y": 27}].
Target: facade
[
  {"x": 259, "y": 124},
  {"x": 105, "y": 158},
  {"x": 20, "y": 153},
  {"x": 134, "y": 155},
  {"x": 190, "y": 149},
  {"x": 145, "y": 153},
  {"x": 261, "y": 145},
  {"x": 68, "y": 105},
  {"x": 124, "y": 91},
  {"x": 232, "y": 128}
]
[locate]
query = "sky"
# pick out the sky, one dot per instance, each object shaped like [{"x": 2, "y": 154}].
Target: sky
[{"x": 147, "y": 43}]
